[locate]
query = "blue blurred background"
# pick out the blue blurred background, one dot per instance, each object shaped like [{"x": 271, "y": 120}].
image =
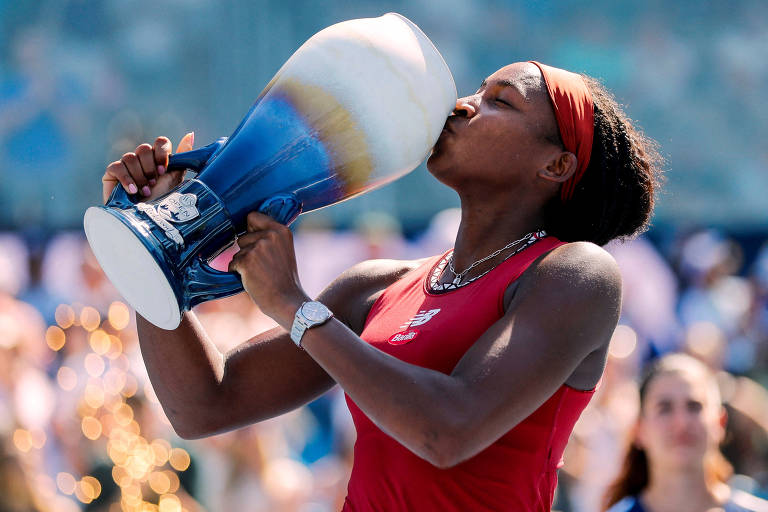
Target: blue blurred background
[{"x": 84, "y": 81}]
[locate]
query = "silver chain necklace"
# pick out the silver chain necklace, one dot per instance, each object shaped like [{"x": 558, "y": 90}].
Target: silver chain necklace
[{"x": 529, "y": 239}]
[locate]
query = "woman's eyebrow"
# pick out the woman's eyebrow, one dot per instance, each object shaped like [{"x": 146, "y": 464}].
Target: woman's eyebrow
[{"x": 504, "y": 83}]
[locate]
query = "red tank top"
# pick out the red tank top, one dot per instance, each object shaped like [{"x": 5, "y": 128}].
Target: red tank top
[{"x": 519, "y": 471}]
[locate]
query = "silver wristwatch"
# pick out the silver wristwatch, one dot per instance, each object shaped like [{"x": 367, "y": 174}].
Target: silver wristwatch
[{"x": 310, "y": 314}]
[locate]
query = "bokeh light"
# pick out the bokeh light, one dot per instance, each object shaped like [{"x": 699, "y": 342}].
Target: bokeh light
[
  {"x": 91, "y": 428},
  {"x": 623, "y": 342},
  {"x": 90, "y": 318},
  {"x": 66, "y": 483},
  {"x": 65, "y": 316},
  {"x": 94, "y": 365},
  {"x": 22, "y": 440},
  {"x": 66, "y": 377},
  {"x": 179, "y": 459},
  {"x": 94, "y": 395},
  {"x": 159, "y": 482},
  {"x": 55, "y": 337},
  {"x": 119, "y": 315},
  {"x": 169, "y": 503},
  {"x": 100, "y": 341}
]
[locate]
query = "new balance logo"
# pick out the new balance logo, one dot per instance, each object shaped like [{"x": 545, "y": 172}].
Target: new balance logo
[{"x": 420, "y": 318}]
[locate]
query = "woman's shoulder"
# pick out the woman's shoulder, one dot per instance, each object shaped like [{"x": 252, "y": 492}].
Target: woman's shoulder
[
  {"x": 353, "y": 293},
  {"x": 577, "y": 269},
  {"x": 580, "y": 256},
  {"x": 627, "y": 504}
]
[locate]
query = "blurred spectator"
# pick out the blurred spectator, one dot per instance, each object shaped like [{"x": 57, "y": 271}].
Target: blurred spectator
[{"x": 673, "y": 461}]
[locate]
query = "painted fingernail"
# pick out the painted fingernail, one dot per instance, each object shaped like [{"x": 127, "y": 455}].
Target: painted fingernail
[
  {"x": 145, "y": 190},
  {"x": 161, "y": 169},
  {"x": 153, "y": 182},
  {"x": 132, "y": 189}
]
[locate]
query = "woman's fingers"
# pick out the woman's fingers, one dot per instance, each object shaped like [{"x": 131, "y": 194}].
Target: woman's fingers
[
  {"x": 145, "y": 171},
  {"x": 161, "y": 151},
  {"x": 146, "y": 156},
  {"x": 117, "y": 172},
  {"x": 133, "y": 166}
]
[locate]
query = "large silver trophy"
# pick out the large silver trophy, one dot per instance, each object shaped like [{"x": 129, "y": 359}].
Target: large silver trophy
[{"x": 358, "y": 105}]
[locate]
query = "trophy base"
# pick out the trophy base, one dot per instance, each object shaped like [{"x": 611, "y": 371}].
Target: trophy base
[{"x": 132, "y": 269}]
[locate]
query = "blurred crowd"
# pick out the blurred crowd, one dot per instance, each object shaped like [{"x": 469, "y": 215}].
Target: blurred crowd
[
  {"x": 81, "y": 429},
  {"x": 83, "y": 82}
]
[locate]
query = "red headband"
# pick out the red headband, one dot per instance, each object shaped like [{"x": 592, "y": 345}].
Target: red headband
[{"x": 575, "y": 116}]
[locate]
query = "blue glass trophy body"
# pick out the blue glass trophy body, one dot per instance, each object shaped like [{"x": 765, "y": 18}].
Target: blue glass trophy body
[{"x": 358, "y": 105}]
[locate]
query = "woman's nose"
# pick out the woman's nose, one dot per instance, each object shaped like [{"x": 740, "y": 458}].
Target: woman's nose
[{"x": 465, "y": 107}]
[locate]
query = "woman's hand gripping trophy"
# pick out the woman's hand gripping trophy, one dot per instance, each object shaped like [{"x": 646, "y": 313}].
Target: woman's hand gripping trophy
[{"x": 145, "y": 170}]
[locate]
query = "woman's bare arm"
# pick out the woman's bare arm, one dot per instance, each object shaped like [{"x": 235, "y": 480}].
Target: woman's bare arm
[{"x": 204, "y": 392}]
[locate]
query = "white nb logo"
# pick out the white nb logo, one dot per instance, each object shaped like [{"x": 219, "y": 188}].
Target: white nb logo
[{"x": 420, "y": 318}]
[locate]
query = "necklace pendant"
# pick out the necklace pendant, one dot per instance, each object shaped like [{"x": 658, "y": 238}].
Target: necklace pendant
[{"x": 456, "y": 281}]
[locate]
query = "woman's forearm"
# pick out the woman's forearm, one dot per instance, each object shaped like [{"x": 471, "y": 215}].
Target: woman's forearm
[
  {"x": 408, "y": 402},
  {"x": 185, "y": 368},
  {"x": 204, "y": 392}
]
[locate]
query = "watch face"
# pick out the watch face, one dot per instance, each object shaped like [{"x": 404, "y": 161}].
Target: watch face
[{"x": 315, "y": 311}]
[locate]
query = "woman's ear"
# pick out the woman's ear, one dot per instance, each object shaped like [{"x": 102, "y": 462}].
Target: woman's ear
[{"x": 560, "y": 168}]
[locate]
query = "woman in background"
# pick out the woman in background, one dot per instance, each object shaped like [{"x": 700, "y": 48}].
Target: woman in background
[{"x": 674, "y": 463}]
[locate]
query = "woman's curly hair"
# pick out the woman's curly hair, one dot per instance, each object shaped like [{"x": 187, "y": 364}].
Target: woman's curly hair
[{"x": 616, "y": 195}]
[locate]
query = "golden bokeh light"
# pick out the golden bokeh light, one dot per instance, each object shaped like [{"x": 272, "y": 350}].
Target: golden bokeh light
[
  {"x": 179, "y": 459},
  {"x": 162, "y": 450},
  {"x": 55, "y": 338},
  {"x": 81, "y": 492},
  {"x": 65, "y": 316},
  {"x": 133, "y": 427},
  {"x": 115, "y": 347},
  {"x": 100, "y": 342},
  {"x": 66, "y": 378},
  {"x": 94, "y": 365},
  {"x": 91, "y": 428},
  {"x": 159, "y": 482},
  {"x": 169, "y": 503},
  {"x": 90, "y": 318},
  {"x": 131, "y": 386},
  {"x": 91, "y": 487},
  {"x": 93, "y": 395},
  {"x": 138, "y": 467},
  {"x": 119, "y": 315},
  {"x": 22, "y": 440},
  {"x": 66, "y": 483},
  {"x": 114, "y": 381},
  {"x": 174, "y": 479},
  {"x": 121, "y": 477},
  {"x": 123, "y": 414}
]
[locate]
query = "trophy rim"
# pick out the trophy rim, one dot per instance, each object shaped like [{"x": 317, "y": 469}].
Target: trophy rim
[{"x": 128, "y": 261}]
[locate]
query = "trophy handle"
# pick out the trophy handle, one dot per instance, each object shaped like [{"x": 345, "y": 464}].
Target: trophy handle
[
  {"x": 204, "y": 283},
  {"x": 284, "y": 208},
  {"x": 195, "y": 159}
]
